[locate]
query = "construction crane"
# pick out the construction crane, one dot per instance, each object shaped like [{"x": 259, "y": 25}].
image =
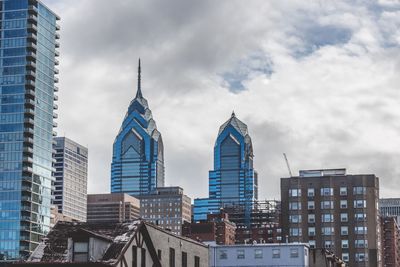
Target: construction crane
[{"x": 287, "y": 164}]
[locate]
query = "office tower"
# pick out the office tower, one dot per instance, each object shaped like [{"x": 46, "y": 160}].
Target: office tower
[
  {"x": 167, "y": 207},
  {"x": 233, "y": 182},
  {"x": 117, "y": 207},
  {"x": 137, "y": 166},
  {"x": 71, "y": 178},
  {"x": 389, "y": 207},
  {"x": 333, "y": 210},
  {"x": 27, "y": 85}
]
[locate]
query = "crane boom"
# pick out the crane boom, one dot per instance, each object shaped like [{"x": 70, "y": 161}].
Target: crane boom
[{"x": 287, "y": 164}]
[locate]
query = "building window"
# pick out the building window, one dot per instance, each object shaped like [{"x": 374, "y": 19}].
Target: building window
[
  {"x": 143, "y": 255},
  {"x": 360, "y": 230},
  {"x": 311, "y": 231},
  {"x": 360, "y": 204},
  {"x": 359, "y": 190},
  {"x": 311, "y": 218},
  {"x": 294, "y": 252},
  {"x": 295, "y": 218},
  {"x": 361, "y": 257},
  {"x": 360, "y": 217},
  {"x": 345, "y": 257},
  {"x": 294, "y": 205},
  {"x": 344, "y": 230},
  {"x": 310, "y": 205},
  {"x": 327, "y": 230},
  {"x": 310, "y": 192},
  {"x": 240, "y": 253},
  {"x": 361, "y": 243},
  {"x": 343, "y": 191},
  {"x": 327, "y": 218},
  {"x": 223, "y": 255},
  {"x": 344, "y": 217},
  {"x": 276, "y": 253},
  {"x": 159, "y": 254},
  {"x": 326, "y": 205},
  {"x": 312, "y": 243},
  {"x": 81, "y": 251},
  {"x": 328, "y": 244},
  {"x": 294, "y": 192},
  {"x": 134, "y": 256},
  {"x": 345, "y": 243},
  {"x": 171, "y": 257},
  {"x": 295, "y": 231},
  {"x": 196, "y": 261},
  {"x": 184, "y": 259},
  {"x": 258, "y": 254},
  {"x": 343, "y": 204},
  {"x": 327, "y": 191}
]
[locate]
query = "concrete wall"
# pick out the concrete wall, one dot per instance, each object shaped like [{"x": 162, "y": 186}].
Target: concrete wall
[{"x": 267, "y": 258}]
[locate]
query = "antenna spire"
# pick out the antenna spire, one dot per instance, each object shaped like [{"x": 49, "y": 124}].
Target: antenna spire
[
  {"x": 233, "y": 114},
  {"x": 139, "y": 86}
]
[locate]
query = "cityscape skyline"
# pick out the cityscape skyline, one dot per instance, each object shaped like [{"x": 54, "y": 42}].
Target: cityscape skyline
[{"x": 282, "y": 115}]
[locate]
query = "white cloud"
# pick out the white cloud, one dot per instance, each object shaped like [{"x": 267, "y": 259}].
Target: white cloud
[{"x": 331, "y": 99}]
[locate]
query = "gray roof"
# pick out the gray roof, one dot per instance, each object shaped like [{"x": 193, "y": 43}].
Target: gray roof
[{"x": 236, "y": 123}]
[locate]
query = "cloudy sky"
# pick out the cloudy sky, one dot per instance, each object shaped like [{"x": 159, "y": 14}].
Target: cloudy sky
[{"x": 318, "y": 80}]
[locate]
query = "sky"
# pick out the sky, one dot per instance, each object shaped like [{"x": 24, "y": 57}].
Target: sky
[{"x": 318, "y": 80}]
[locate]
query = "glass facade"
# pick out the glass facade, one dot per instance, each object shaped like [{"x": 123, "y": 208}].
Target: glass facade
[
  {"x": 27, "y": 85},
  {"x": 233, "y": 182},
  {"x": 137, "y": 166}
]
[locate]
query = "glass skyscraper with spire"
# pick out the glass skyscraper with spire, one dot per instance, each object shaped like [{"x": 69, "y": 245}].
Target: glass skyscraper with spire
[
  {"x": 27, "y": 84},
  {"x": 233, "y": 182},
  {"x": 137, "y": 166}
]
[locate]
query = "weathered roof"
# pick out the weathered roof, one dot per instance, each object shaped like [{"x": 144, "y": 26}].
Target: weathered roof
[{"x": 54, "y": 248}]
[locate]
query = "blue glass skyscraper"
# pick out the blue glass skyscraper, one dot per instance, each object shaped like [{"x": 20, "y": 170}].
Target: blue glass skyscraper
[
  {"x": 137, "y": 166},
  {"x": 27, "y": 85},
  {"x": 233, "y": 182}
]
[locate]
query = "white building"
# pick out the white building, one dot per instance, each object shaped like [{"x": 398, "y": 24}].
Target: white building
[{"x": 294, "y": 254}]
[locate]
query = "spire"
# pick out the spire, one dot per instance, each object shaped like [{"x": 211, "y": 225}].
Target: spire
[
  {"x": 139, "y": 87},
  {"x": 233, "y": 114}
]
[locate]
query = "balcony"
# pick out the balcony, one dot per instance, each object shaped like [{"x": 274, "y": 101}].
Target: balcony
[
  {"x": 26, "y": 189},
  {"x": 26, "y": 179},
  {"x": 56, "y": 80},
  {"x": 27, "y": 159},
  {"x": 29, "y": 121},
  {"x": 55, "y": 98},
  {"x": 30, "y": 92},
  {"x": 28, "y": 140},
  {"x": 56, "y": 89},
  {"x": 31, "y": 27},
  {"x": 30, "y": 65},
  {"x": 32, "y": 18},
  {"x": 57, "y": 36},
  {"x": 55, "y": 115},
  {"x": 54, "y": 133},
  {"x": 57, "y": 44},
  {"x": 56, "y": 71},
  {"x": 57, "y": 54},
  {"x": 55, "y": 124},
  {"x": 30, "y": 74},
  {"x": 32, "y": 37},
  {"x": 26, "y": 219},
  {"x": 31, "y": 55},
  {"x": 27, "y": 169},
  {"x": 58, "y": 27},
  {"x": 27, "y": 150},
  {"x": 26, "y": 198},
  {"x": 28, "y": 131},
  {"x": 56, "y": 62},
  {"x": 31, "y": 45},
  {"x": 55, "y": 106}
]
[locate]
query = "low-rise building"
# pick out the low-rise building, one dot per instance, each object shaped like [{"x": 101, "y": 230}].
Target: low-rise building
[
  {"x": 277, "y": 255},
  {"x": 167, "y": 207},
  {"x": 390, "y": 207},
  {"x": 217, "y": 229},
  {"x": 128, "y": 244},
  {"x": 115, "y": 207}
]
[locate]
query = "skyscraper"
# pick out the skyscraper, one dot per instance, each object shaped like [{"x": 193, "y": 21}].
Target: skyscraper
[
  {"x": 233, "y": 182},
  {"x": 70, "y": 193},
  {"x": 27, "y": 83},
  {"x": 137, "y": 166}
]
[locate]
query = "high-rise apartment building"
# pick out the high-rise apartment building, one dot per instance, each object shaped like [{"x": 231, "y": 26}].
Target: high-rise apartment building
[
  {"x": 336, "y": 211},
  {"x": 138, "y": 154},
  {"x": 27, "y": 84},
  {"x": 70, "y": 187},
  {"x": 116, "y": 207},
  {"x": 167, "y": 207},
  {"x": 390, "y": 242},
  {"x": 233, "y": 182}
]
